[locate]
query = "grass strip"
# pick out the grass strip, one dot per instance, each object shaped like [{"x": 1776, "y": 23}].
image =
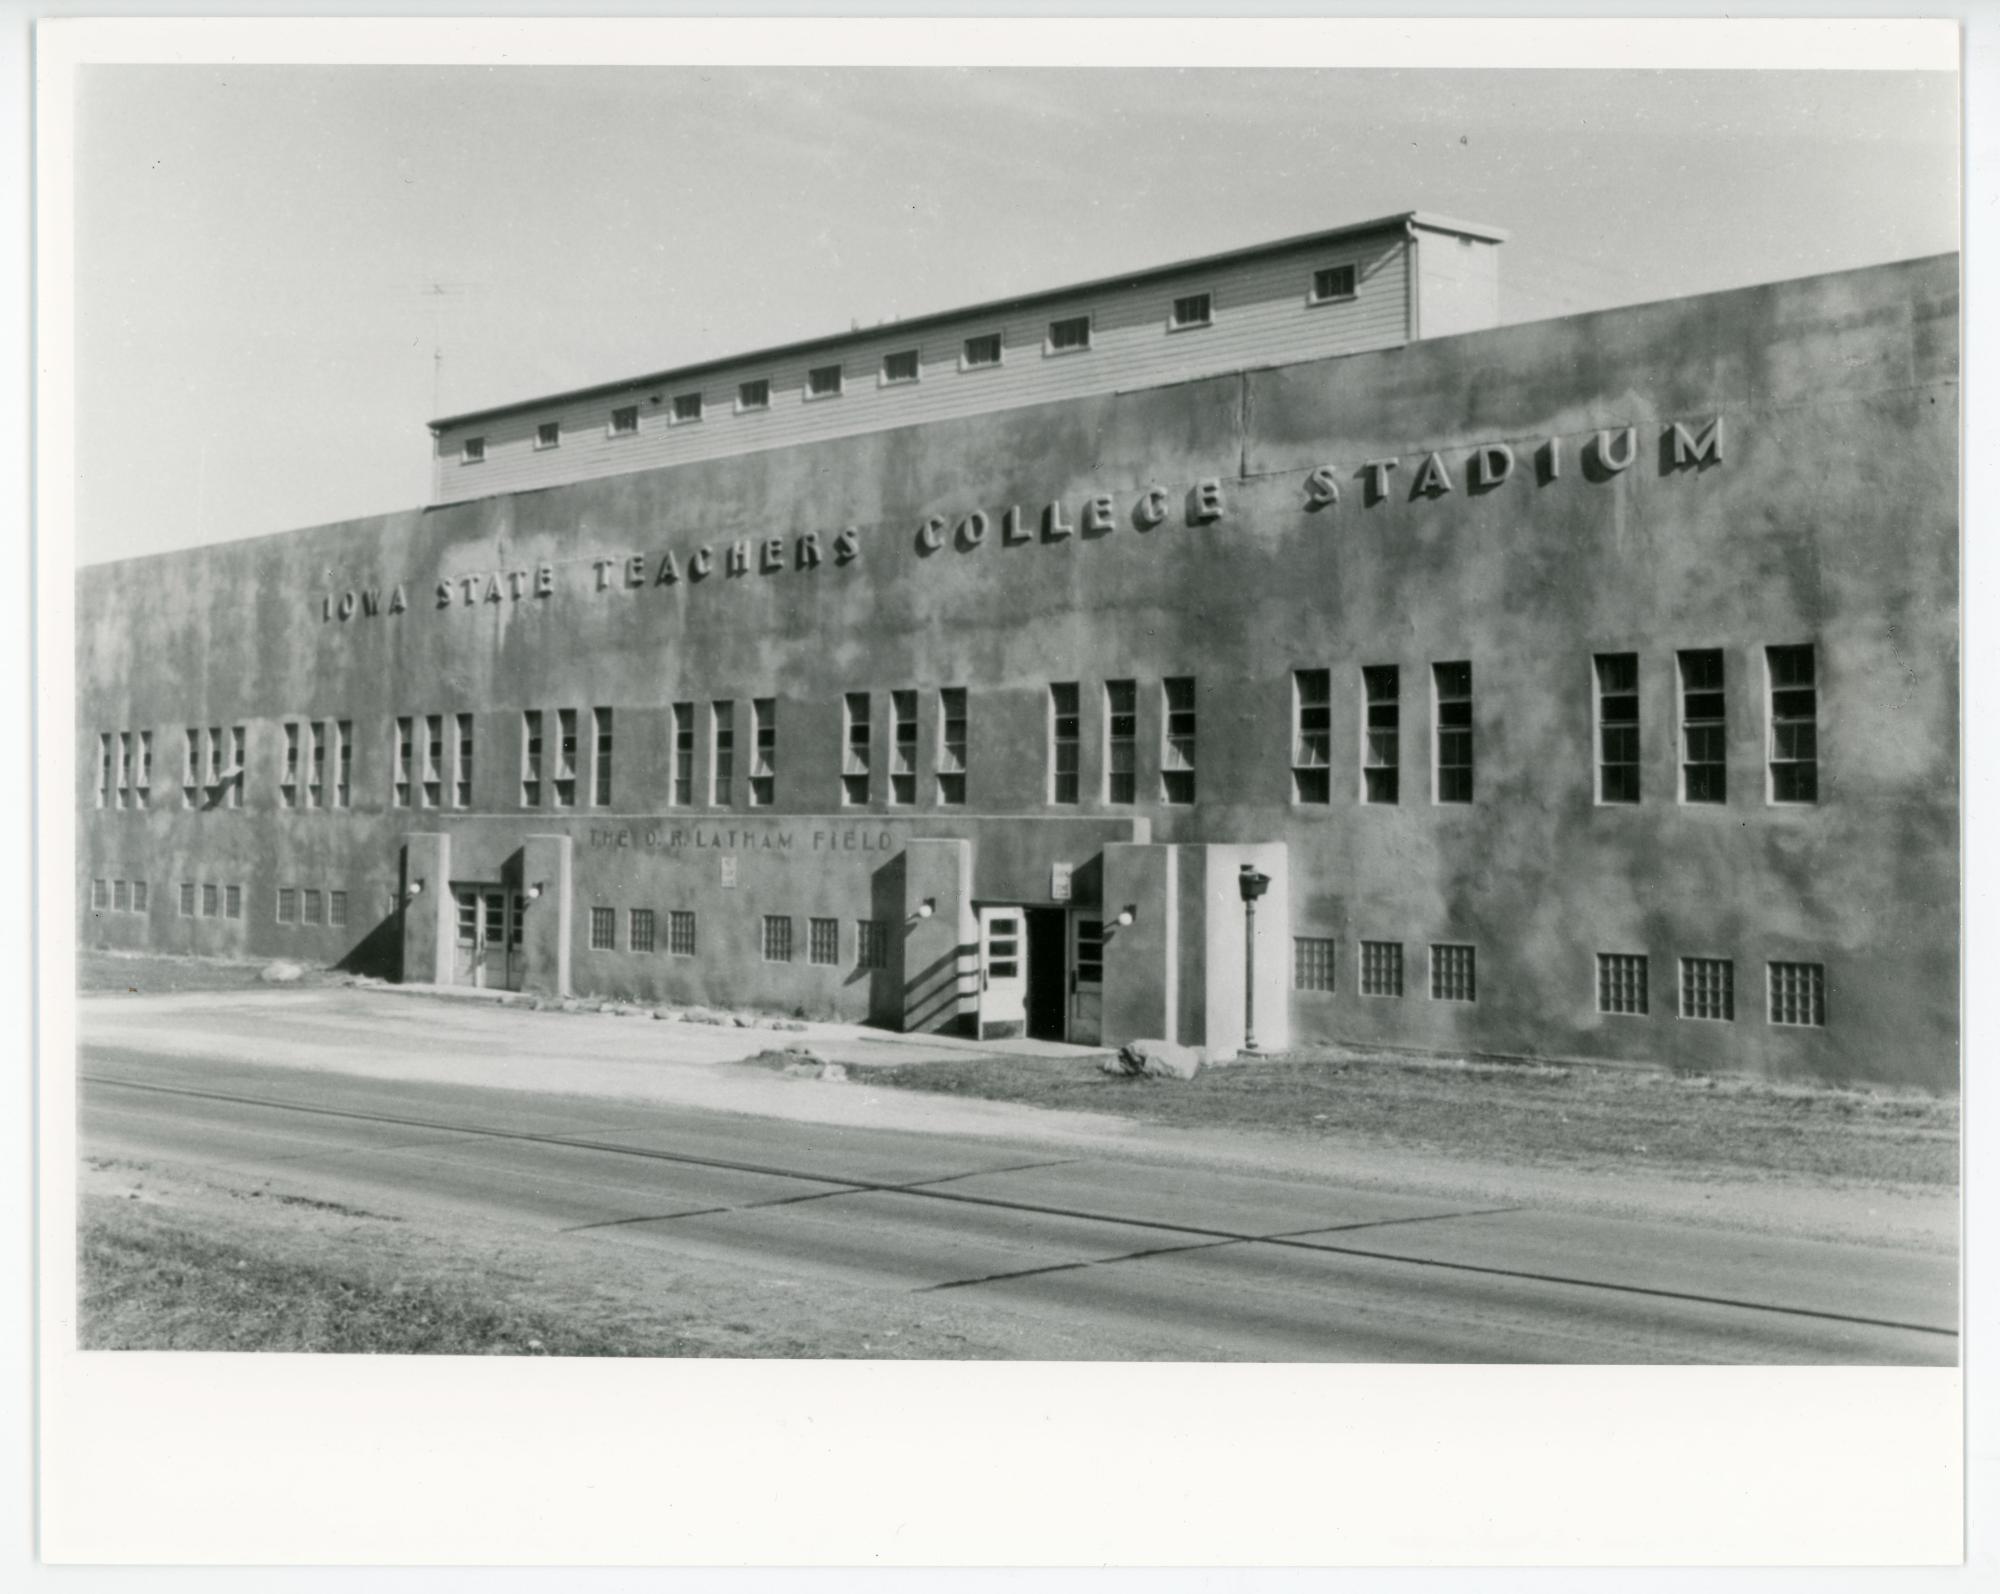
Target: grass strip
[{"x": 1557, "y": 1114}]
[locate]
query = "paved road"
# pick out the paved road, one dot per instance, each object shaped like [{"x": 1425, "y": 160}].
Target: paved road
[{"x": 1220, "y": 1263}]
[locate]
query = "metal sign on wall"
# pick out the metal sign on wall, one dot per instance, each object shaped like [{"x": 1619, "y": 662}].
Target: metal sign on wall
[{"x": 1059, "y": 877}]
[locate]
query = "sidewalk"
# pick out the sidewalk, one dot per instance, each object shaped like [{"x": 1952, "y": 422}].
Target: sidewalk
[{"x": 854, "y": 1044}]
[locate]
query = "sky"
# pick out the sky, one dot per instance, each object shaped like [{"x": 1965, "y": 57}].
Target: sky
[{"x": 284, "y": 272}]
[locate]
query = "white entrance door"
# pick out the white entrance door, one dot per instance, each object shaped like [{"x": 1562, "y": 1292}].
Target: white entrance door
[
  {"x": 1003, "y": 972},
  {"x": 1086, "y": 979},
  {"x": 488, "y": 948}
]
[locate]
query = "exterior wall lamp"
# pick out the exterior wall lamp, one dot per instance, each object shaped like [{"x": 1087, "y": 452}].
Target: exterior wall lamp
[
  {"x": 534, "y": 892},
  {"x": 416, "y": 890},
  {"x": 1126, "y": 917},
  {"x": 925, "y": 909}
]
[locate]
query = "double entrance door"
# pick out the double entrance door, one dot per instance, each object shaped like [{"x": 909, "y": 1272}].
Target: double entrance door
[
  {"x": 1041, "y": 974},
  {"x": 488, "y": 952}
]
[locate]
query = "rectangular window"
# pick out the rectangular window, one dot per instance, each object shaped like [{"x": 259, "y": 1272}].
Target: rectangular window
[
  {"x": 1617, "y": 727},
  {"x": 1798, "y": 993},
  {"x": 641, "y": 930},
  {"x": 531, "y": 758},
  {"x": 232, "y": 904},
  {"x": 433, "y": 787},
  {"x": 1065, "y": 742},
  {"x": 823, "y": 381},
  {"x": 1621, "y": 982},
  {"x": 124, "y": 767},
  {"x": 871, "y": 944},
  {"x": 1069, "y": 335},
  {"x": 309, "y": 905},
  {"x": 1452, "y": 687},
  {"x": 625, "y": 420},
  {"x": 754, "y": 395},
  {"x": 233, "y": 798},
  {"x": 1312, "y": 963},
  {"x": 1451, "y": 974},
  {"x": 903, "y": 748},
  {"x": 1121, "y": 741},
  {"x": 288, "y": 779},
  {"x": 336, "y": 910},
  {"x": 854, "y": 755},
  {"x": 1191, "y": 310},
  {"x": 764, "y": 752},
  {"x": 343, "y": 763},
  {"x": 104, "y": 769},
  {"x": 190, "y": 770},
  {"x": 1794, "y": 725},
  {"x": 288, "y": 903},
  {"x": 100, "y": 895},
  {"x": 187, "y": 899},
  {"x": 899, "y": 367},
  {"x": 1704, "y": 728},
  {"x": 142, "y": 778},
  {"x": 472, "y": 451},
  {"x": 951, "y": 746},
  {"x": 823, "y": 941},
  {"x": 211, "y": 895},
  {"x": 600, "y": 768},
  {"x": 1090, "y": 952},
  {"x": 405, "y": 751},
  {"x": 1708, "y": 988},
  {"x": 548, "y": 434},
  {"x": 1312, "y": 736},
  {"x": 604, "y": 929},
  {"x": 461, "y": 775},
  {"x": 982, "y": 350},
  {"x": 565, "y": 758},
  {"x": 1177, "y": 753},
  {"x": 687, "y": 407},
  {"x": 777, "y": 938},
  {"x": 121, "y": 896},
  {"x": 315, "y": 762},
  {"x": 1332, "y": 282},
  {"x": 1381, "y": 752},
  {"x": 1381, "y": 968},
  {"x": 680, "y": 933},
  {"x": 138, "y": 896},
  {"x": 682, "y": 794},
  {"x": 722, "y": 762}
]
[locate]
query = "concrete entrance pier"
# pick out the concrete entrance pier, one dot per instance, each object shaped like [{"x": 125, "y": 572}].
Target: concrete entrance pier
[{"x": 1177, "y": 970}]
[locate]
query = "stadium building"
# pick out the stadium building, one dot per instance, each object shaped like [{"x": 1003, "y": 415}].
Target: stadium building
[{"x": 1583, "y": 688}]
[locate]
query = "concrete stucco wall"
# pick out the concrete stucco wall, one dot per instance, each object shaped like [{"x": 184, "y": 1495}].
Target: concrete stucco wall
[{"x": 1830, "y": 519}]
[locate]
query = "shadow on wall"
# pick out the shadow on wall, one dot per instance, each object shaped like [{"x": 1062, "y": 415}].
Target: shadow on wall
[
  {"x": 887, "y": 888},
  {"x": 931, "y": 995},
  {"x": 379, "y": 953}
]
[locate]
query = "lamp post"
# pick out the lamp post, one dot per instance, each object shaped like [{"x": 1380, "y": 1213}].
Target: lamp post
[{"x": 1252, "y": 885}]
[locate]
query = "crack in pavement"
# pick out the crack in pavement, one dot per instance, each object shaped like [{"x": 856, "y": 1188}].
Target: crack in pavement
[
  {"x": 1209, "y": 1245},
  {"x": 811, "y": 1195},
  {"x": 1302, "y": 1242}
]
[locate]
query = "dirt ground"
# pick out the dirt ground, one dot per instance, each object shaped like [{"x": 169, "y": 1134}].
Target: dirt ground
[{"x": 172, "y": 1257}]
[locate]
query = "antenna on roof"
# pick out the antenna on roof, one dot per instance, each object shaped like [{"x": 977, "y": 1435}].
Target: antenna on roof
[{"x": 437, "y": 292}]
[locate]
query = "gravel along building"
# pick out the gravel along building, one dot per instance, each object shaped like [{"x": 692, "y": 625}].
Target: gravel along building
[{"x": 1579, "y": 688}]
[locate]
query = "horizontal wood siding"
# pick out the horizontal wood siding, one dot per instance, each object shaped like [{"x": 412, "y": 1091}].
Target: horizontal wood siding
[{"x": 1262, "y": 315}]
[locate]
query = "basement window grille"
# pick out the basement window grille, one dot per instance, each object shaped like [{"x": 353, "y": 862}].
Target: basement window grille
[
  {"x": 1452, "y": 977},
  {"x": 1798, "y": 994},
  {"x": 1708, "y": 988},
  {"x": 1312, "y": 963},
  {"x": 1621, "y": 983}
]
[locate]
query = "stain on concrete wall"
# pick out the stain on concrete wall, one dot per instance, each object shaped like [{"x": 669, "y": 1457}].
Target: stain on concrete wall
[{"x": 1829, "y": 518}]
